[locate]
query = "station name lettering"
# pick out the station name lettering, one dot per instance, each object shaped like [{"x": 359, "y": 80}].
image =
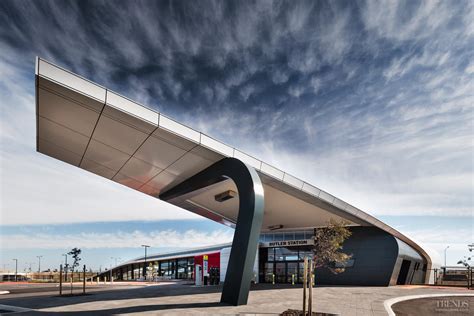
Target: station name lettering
[{"x": 289, "y": 243}]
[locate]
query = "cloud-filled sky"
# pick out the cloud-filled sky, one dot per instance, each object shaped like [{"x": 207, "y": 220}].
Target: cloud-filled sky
[{"x": 371, "y": 101}]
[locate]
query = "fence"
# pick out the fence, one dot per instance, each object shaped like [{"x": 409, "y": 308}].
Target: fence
[{"x": 454, "y": 276}]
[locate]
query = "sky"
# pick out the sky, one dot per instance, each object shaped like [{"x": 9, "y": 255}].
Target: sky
[{"x": 371, "y": 101}]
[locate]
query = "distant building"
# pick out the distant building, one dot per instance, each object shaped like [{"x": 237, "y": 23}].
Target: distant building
[{"x": 10, "y": 276}]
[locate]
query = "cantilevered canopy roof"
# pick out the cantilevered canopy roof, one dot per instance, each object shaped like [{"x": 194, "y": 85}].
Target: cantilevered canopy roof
[{"x": 93, "y": 128}]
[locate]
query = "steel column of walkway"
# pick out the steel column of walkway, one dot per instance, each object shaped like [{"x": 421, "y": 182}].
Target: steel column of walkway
[{"x": 249, "y": 221}]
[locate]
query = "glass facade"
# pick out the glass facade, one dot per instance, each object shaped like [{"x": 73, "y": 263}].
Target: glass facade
[
  {"x": 280, "y": 236},
  {"x": 282, "y": 263},
  {"x": 182, "y": 268},
  {"x": 279, "y": 263}
]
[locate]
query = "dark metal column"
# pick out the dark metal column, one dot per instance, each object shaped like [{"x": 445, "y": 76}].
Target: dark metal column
[{"x": 249, "y": 221}]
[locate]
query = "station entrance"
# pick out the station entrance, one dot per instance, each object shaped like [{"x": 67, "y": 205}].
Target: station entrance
[{"x": 282, "y": 264}]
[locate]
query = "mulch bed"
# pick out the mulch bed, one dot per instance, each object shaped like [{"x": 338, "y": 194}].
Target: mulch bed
[{"x": 295, "y": 312}]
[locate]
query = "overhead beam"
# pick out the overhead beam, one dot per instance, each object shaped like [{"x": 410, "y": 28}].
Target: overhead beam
[{"x": 249, "y": 221}]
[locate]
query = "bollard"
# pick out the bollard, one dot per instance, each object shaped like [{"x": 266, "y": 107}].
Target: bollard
[
  {"x": 310, "y": 291},
  {"x": 71, "y": 282},
  {"x": 273, "y": 278},
  {"x": 312, "y": 278},
  {"x": 292, "y": 279},
  {"x": 467, "y": 277},
  {"x": 305, "y": 283},
  {"x": 84, "y": 280},
  {"x": 61, "y": 280}
]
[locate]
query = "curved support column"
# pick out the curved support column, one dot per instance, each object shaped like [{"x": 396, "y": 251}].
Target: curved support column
[{"x": 249, "y": 221}]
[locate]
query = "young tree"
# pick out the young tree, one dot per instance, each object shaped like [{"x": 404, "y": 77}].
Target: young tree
[
  {"x": 328, "y": 245},
  {"x": 465, "y": 261},
  {"x": 75, "y": 252}
]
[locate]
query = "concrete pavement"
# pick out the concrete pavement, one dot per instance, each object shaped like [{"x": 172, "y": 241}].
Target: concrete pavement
[{"x": 185, "y": 299}]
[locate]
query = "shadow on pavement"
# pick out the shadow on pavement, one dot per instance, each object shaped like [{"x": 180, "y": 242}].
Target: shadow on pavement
[
  {"x": 49, "y": 301},
  {"x": 134, "y": 309}
]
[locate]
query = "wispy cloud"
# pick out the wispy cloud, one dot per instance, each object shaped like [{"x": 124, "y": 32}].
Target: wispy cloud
[
  {"x": 370, "y": 101},
  {"x": 169, "y": 238},
  {"x": 436, "y": 239}
]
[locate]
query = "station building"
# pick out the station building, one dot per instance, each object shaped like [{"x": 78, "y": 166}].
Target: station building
[
  {"x": 273, "y": 212},
  {"x": 280, "y": 260}
]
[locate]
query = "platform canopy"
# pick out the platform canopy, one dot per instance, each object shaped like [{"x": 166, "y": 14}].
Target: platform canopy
[{"x": 93, "y": 128}]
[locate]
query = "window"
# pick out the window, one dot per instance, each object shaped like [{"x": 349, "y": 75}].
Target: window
[
  {"x": 289, "y": 236},
  {"x": 190, "y": 268},
  {"x": 164, "y": 268},
  {"x": 182, "y": 267},
  {"x": 278, "y": 237},
  {"x": 172, "y": 268},
  {"x": 285, "y": 254},
  {"x": 268, "y": 237},
  {"x": 268, "y": 272},
  {"x": 305, "y": 254},
  {"x": 299, "y": 236},
  {"x": 271, "y": 254}
]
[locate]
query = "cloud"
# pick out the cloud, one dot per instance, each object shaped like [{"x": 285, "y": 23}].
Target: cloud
[
  {"x": 279, "y": 76},
  {"x": 35, "y": 189},
  {"x": 296, "y": 91},
  {"x": 170, "y": 238},
  {"x": 410, "y": 20},
  {"x": 436, "y": 239},
  {"x": 370, "y": 101}
]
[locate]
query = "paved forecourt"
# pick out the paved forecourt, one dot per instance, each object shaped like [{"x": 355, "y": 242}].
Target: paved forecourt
[{"x": 184, "y": 299}]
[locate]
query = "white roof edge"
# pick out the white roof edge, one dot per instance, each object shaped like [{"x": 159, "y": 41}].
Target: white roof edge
[
  {"x": 37, "y": 59},
  {"x": 184, "y": 252},
  {"x": 292, "y": 180}
]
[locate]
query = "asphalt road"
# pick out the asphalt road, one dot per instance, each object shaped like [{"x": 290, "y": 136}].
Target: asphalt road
[
  {"x": 18, "y": 290},
  {"x": 445, "y": 305}
]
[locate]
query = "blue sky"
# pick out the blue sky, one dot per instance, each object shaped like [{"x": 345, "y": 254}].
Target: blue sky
[{"x": 371, "y": 101}]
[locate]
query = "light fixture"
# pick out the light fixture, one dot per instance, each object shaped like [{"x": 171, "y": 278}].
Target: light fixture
[
  {"x": 275, "y": 227},
  {"x": 224, "y": 196}
]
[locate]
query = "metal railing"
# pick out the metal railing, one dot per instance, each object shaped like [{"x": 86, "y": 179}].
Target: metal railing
[{"x": 454, "y": 276}]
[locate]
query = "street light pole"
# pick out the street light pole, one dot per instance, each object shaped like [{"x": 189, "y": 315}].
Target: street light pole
[
  {"x": 445, "y": 256},
  {"x": 65, "y": 268},
  {"x": 39, "y": 263},
  {"x": 144, "y": 267},
  {"x": 115, "y": 258},
  {"x": 16, "y": 270}
]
